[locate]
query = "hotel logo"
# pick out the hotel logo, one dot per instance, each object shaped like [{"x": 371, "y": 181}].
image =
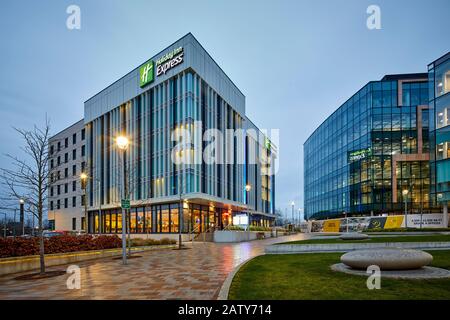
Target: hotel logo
[{"x": 146, "y": 73}]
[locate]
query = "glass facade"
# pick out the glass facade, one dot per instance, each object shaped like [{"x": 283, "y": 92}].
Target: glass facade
[
  {"x": 439, "y": 88},
  {"x": 165, "y": 219},
  {"x": 370, "y": 149}
]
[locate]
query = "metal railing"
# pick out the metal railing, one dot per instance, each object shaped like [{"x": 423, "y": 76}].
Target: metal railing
[{"x": 194, "y": 231}]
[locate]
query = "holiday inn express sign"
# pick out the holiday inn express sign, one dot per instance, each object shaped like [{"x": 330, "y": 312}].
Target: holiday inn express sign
[{"x": 163, "y": 64}]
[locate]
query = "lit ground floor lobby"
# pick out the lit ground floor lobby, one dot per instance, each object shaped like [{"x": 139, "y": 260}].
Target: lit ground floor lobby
[{"x": 168, "y": 218}]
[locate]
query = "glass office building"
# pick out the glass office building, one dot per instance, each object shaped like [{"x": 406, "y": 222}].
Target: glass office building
[
  {"x": 181, "y": 89},
  {"x": 374, "y": 146},
  {"x": 439, "y": 85}
]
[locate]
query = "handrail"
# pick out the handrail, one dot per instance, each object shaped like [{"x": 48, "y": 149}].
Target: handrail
[{"x": 194, "y": 231}]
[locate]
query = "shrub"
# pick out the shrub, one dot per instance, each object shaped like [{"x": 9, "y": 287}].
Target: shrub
[
  {"x": 234, "y": 228},
  {"x": 258, "y": 228},
  {"x": 137, "y": 242},
  {"x": 18, "y": 247}
]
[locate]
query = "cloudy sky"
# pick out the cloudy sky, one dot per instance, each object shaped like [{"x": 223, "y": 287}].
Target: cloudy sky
[{"x": 295, "y": 61}]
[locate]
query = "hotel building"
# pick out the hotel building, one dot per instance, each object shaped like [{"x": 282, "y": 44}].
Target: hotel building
[
  {"x": 65, "y": 195},
  {"x": 179, "y": 90}
]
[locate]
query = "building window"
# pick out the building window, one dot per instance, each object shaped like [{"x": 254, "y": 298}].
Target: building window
[
  {"x": 83, "y": 166},
  {"x": 58, "y": 175},
  {"x": 74, "y": 170},
  {"x": 51, "y": 191},
  {"x": 66, "y": 157},
  {"x": 58, "y": 189},
  {"x": 66, "y": 187},
  {"x": 74, "y": 223},
  {"x": 74, "y": 154},
  {"x": 66, "y": 142},
  {"x": 58, "y": 204},
  {"x": 83, "y": 151},
  {"x": 51, "y": 205},
  {"x": 83, "y": 134},
  {"x": 74, "y": 138},
  {"x": 74, "y": 202},
  {"x": 52, "y": 164},
  {"x": 74, "y": 186},
  {"x": 52, "y": 149},
  {"x": 59, "y": 160},
  {"x": 59, "y": 146},
  {"x": 442, "y": 82},
  {"x": 66, "y": 203},
  {"x": 82, "y": 200},
  {"x": 66, "y": 172}
]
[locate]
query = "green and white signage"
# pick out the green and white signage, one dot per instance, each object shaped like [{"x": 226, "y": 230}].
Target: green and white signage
[
  {"x": 268, "y": 144},
  {"x": 147, "y": 73},
  {"x": 162, "y": 65},
  {"x": 359, "y": 155},
  {"x": 125, "y": 203},
  {"x": 169, "y": 60}
]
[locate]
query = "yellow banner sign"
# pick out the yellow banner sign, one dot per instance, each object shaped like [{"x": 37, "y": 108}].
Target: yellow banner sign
[{"x": 331, "y": 225}]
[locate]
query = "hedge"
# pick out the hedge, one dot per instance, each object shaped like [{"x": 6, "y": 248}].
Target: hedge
[{"x": 18, "y": 247}]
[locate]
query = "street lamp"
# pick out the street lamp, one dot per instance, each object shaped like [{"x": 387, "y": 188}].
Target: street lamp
[
  {"x": 248, "y": 188},
  {"x": 83, "y": 178},
  {"x": 346, "y": 221},
  {"x": 21, "y": 204},
  {"x": 405, "y": 197},
  {"x": 440, "y": 197},
  {"x": 122, "y": 143},
  {"x": 293, "y": 220}
]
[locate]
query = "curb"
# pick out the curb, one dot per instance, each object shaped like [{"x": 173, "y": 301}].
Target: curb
[
  {"x": 225, "y": 288},
  {"x": 344, "y": 247}
]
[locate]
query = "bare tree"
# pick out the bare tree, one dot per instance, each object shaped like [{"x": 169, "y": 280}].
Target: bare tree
[{"x": 29, "y": 177}]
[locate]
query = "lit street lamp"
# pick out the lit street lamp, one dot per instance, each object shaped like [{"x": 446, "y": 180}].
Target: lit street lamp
[
  {"x": 83, "y": 178},
  {"x": 122, "y": 143},
  {"x": 21, "y": 203},
  {"x": 248, "y": 188},
  {"x": 405, "y": 197}
]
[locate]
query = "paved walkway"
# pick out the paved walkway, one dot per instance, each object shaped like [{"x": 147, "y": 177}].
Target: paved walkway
[{"x": 197, "y": 273}]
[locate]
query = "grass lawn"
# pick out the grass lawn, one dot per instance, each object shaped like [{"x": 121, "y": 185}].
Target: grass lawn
[
  {"x": 418, "y": 238},
  {"x": 309, "y": 277}
]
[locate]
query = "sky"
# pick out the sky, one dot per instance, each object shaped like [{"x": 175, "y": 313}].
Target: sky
[{"x": 295, "y": 61}]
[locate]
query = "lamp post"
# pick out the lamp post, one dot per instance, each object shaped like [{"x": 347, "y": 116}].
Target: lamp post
[
  {"x": 83, "y": 178},
  {"x": 248, "y": 188},
  {"x": 444, "y": 210},
  {"x": 181, "y": 207},
  {"x": 293, "y": 220},
  {"x": 122, "y": 143},
  {"x": 405, "y": 197},
  {"x": 346, "y": 221},
  {"x": 4, "y": 224},
  {"x": 21, "y": 204}
]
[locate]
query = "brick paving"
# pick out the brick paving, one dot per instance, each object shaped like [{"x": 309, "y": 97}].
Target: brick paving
[{"x": 197, "y": 273}]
